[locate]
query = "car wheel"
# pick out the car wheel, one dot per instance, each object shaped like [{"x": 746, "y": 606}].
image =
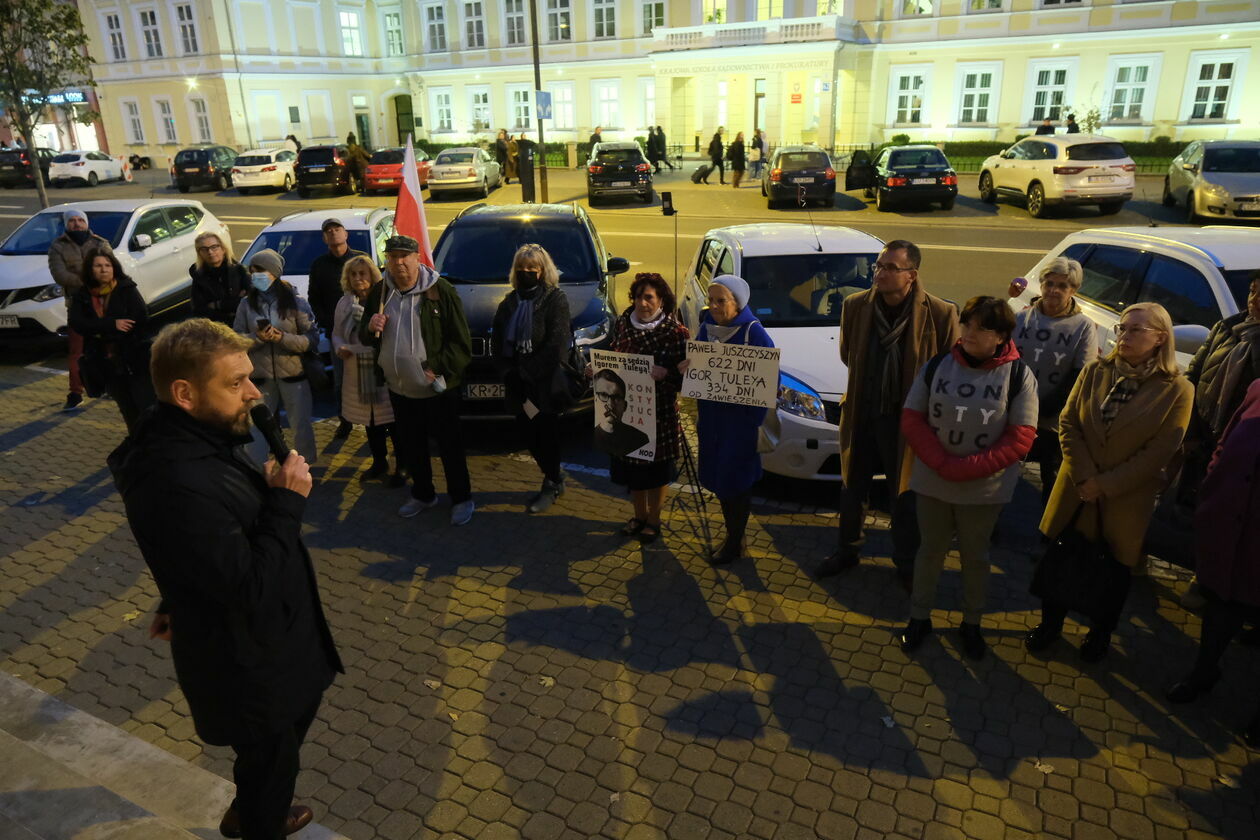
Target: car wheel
[
  {"x": 591, "y": 199},
  {"x": 304, "y": 192},
  {"x": 1168, "y": 200},
  {"x": 948, "y": 204},
  {"x": 649, "y": 196},
  {"x": 92, "y": 179},
  {"x": 183, "y": 188},
  {"x": 882, "y": 203},
  {"x": 987, "y": 194},
  {"x": 221, "y": 183},
  {"x": 771, "y": 203},
  {"x": 1110, "y": 208},
  {"x": 1192, "y": 215},
  {"x": 485, "y": 188},
  {"x": 1037, "y": 201},
  {"x": 242, "y": 190},
  {"x": 288, "y": 183}
]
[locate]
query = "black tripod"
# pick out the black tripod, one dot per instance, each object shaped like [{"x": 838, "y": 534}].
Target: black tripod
[{"x": 691, "y": 500}]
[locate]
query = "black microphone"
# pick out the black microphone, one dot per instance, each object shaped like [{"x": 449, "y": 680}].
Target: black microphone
[{"x": 270, "y": 431}]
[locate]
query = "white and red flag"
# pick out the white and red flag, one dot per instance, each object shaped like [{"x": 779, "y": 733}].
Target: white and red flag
[{"x": 409, "y": 212}]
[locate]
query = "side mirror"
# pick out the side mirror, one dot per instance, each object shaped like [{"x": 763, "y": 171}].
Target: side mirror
[
  {"x": 1188, "y": 338},
  {"x": 1006, "y": 154},
  {"x": 141, "y": 241},
  {"x": 618, "y": 265},
  {"x": 1190, "y": 167}
]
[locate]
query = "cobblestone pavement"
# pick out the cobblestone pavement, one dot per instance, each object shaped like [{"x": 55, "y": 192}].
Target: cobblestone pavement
[{"x": 541, "y": 677}]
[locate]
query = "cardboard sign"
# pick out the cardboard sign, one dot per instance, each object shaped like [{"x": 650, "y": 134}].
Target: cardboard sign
[
  {"x": 625, "y": 405},
  {"x": 741, "y": 374}
]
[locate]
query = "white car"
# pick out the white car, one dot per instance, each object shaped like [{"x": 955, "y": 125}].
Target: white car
[
  {"x": 799, "y": 276},
  {"x": 89, "y": 167},
  {"x": 260, "y": 168},
  {"x": 152, "y": 238},
  {"x": 465, "y": 169},
  {"x": 1053, "y": 169},
  {"x": 1216, "y": 179},
  {"x": 1200, "y": 275}
]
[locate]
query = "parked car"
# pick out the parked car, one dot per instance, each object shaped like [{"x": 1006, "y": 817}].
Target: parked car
[
  {"x": 475, "y": 253},
  {"x": 1048, "y": 170},
  {"x": 904, "y": 175},
  {"x": 384, "y": 172},
  {"x": 464, "y": 169},
  {"x": 1219, "y": 179},
  {"x": 261, "y": 168},
  {"x": 618, "y": 169},
  {"x": 799, "y": 172},
  {"x": 297, "y": 237},
  {"x": 15, "y": 166},
  {"x": 89, "y": 167},
  {"x": 152, "y": 238},
  {"x": 203, "y": 166},
  {"x": 1199, "y": 275},
  {"x": 325, "y": 167},
  {"x": 799, "y": 276}
]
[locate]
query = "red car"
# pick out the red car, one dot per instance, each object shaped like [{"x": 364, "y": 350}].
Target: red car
[{"x": 384, "y": 171}]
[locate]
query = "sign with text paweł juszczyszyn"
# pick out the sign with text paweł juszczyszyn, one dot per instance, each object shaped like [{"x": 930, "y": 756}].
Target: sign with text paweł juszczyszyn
[{"x": 742, "y": 374}]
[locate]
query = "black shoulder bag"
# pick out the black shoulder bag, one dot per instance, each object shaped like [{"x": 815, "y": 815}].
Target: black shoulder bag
[{"x": 1078, "y": 572}]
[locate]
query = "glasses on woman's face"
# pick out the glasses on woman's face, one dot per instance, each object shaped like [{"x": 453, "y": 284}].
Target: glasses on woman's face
[
  {"x": 1136, "y": 329},
  {"x": 209, "y": 249}
]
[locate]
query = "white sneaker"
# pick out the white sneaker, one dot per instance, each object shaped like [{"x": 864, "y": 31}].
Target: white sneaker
[
  {"x": 462, "y": 512},
  {"x": 414, "y": 506}
]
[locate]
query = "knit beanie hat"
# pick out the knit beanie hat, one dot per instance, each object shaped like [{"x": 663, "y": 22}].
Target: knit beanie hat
[
  {"x": 269, "y": 261},
  {"x": 73, "y": 214},
  {"x": 737, "y": 286}
]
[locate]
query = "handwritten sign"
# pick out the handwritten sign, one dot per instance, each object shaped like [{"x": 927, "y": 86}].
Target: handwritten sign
[
  {"x": 625, "y": 405},
  {"x": 732, "y": 373}
]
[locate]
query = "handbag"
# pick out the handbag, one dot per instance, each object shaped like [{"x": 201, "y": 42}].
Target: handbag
[
  {"x": 755, "y": 155},
  {"x": 568, "y": 380},
  {"x": 313, "y": 370},
  {"x": 1077, "y": 572}
]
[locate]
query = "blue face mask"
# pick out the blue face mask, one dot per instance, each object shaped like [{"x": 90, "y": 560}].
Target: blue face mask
[{"x": 262, "y": 280}]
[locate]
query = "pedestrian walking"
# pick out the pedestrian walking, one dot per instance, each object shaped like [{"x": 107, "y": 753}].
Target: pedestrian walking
[
  {"x": 419, "y": 334},
  {"x": 239, "y": 595},
  {"x": 66, "y": 255},
  {"x": 530, "y": 338},
  {"x": 757, "y": 153},
  {"x": 218, "y": 280},
  {"x": 282, "y": 328},
  {"x": 324, "y": 290},
  {"x": 653, "y": 153},
  {"x": 501, "y": 152},
  {"x": 597, "y": 136},
  {"x": 970, "y": 418},
  {"x": 663, "y": 145},
  {"x": 513, "y": 160},
  {"x": 887, "y": 334},
  {"x": 736, "y": 155},
  {"x": 716, "y": 155}
]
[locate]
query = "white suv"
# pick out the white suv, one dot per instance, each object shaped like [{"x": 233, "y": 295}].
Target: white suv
[
  {"x": 1048, "y": 169},
  {"x": 297, "y": 237},
  {"x": 264, "y": 168},
  {"x": 799, "y": 276}
]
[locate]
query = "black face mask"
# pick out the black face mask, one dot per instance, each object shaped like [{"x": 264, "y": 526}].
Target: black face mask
[
  {"x": 527, "y": 279},
  {"x": 79, "y": 236}
]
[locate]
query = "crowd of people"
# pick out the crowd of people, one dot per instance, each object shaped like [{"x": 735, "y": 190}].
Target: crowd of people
[{"x": 738, "y": 153}]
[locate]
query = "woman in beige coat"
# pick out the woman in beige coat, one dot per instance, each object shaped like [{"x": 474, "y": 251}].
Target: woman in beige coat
[{"x": 1122, "y": 424}]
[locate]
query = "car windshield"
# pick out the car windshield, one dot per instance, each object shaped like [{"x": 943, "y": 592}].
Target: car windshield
[
  {"x": 36, "y": 235},
  {"x": 449, "y": 158},
  {"x": 68, "y": 158},
  {"x": 254, "y": 160},
  {"x": 803, "y": 160},
  {"x": 805, "y": 290},
  {"x": 618, "y": 156},
  {"x": 388, "y": 156},
  {"x": 1096, "y": 151},
  {"x": 1231, "y": 160},
  {"x": 300, "y": 247},
  {"x": 192, "y": 155},
  {"x": 482, "y": 253},
  {"x": 916, "y": 159},
  {"x": 1239, "y": 283}
]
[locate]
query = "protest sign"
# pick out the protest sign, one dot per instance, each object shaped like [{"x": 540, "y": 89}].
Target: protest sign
[
  {"x": 742, "y": 374},
  {"x": 625, "y": 404}
]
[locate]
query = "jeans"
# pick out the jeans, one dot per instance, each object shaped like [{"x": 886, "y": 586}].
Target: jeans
[
  {"x": 939, "y": 522},
  {"x": 416, "y": 420},
  {"x": 266, "y": 772},
  {"x": 542, "y": 437},
  {"x": 296, "y": 399},
  {"x": 755, "y": 173},
  {"x": 877, "y": 451}
]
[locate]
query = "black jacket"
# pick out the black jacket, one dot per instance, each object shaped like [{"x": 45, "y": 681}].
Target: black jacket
[
  {"x": 735, "y": 154},
  {"x": 324, "y": 289},
  {"x": 251, "y": 647},
  {"x": 715, "y": 149},
  {"x": 216, "y": 292},
  {"x": 122, "y": 353},
  {"x": 532, "y": 375}
]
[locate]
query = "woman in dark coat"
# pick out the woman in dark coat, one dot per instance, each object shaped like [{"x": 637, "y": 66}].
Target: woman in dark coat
[
  {"x": 653, "y": 155},
  {"x": 739, "y": 161},
  {"x": 716, "y": 150},
  {"x": 513, "y": 160},
  {"x": 501, "y": 152},
  {"x": 529, "y": 340},
  {"x": 662, "y": 144},
  {"x": 729, "y": 462},
  {"x": 218, "y": 280},
  {"x": 110, "y": 314},
  {"x": 649, "y": 327}
]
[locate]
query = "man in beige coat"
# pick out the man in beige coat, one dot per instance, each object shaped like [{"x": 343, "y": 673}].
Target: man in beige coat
[
  {"x": 65, "y": 262},
  {"x": 886, "y": 336}
]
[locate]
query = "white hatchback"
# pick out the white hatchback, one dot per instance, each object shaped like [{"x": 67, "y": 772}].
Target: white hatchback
[
  {"x": 89, "y": 167},
  {"x": 1052, "y": 169},
  {"x": 264, "y": 168},
  {"x": 799, "y": 276}
]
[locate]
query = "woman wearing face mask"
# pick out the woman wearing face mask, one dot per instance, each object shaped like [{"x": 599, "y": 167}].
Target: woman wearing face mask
[
  {"x": 649, "y": 328},
  {"x": 363, "y": 402},
  {"x": 530, "y": 338},
  {"x": 218, "y": 280},
  {"x": 283, "y": 327},
  {"x": 110, "y": 314},
  {"x": 1123, "y": 423}
]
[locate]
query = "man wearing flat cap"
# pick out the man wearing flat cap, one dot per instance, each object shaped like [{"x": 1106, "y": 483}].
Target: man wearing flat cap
[
  {"x": 418, "y": 330},
  {"x": 66, "y": 256},
  {"x": 324, "y": 290}
]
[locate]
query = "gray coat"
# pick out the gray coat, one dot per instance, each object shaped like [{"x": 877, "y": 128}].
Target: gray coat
[
  {"x": 65, "y": 261},
  {"x": 281, "y": 359}
]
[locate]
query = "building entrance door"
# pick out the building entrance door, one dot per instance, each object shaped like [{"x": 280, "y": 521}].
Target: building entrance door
[
  {"x": 363, "y": 130},
  {"x": 403, "y": 119},
  {"x": 759, "y": 104}
]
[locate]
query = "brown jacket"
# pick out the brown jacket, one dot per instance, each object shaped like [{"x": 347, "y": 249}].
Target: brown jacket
[
  {"x": 933, "y": 329},
  {"x": 1127, "y": 459},
  {"x": 65, "y": 261}
]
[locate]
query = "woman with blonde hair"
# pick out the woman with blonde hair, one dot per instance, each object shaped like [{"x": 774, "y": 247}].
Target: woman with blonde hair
[
  {"x": 218, "y": 280},
  {"x": 530, "y": 338},
  {"x": 1123, "y": 423},
  {"x": 363, "y": 401}
]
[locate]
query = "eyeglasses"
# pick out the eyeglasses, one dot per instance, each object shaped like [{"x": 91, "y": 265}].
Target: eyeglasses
[
  {"x": 205, "y": 249},
  {"x": 607, "y": 396},
  {"x": 878, "y": 267},
  {"x": 1121, "y": 329}
]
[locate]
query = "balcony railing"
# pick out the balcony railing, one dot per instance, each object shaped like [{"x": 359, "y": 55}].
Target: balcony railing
[{"x": 747, "y": 33}]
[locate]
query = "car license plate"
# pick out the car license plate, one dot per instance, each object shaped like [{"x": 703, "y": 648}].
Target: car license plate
[
  {"x": 484, "y": 391},
  {"x": 8, "y": 322},
  {"x": 621, "y": 183},
  {"x": 1100, "y": 179},
  {"x": 923, "y": 180},
  {"x": 388, "y": 180},
  {"x": 192, "y": 169},
  {"x": 317, "y": 169},
  {"x": 1250, "y": 206},
  {"x": 802, "y": 180}
]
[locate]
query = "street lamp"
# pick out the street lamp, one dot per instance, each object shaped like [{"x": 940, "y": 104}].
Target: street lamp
[{"x": 542, "y": 168}]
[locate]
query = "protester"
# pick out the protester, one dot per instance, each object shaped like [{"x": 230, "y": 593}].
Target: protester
[
  {"x": 735, "y": 154},
  {"x": 716, "y": 150},
  {"x": 111, "y": 315},
  {"x": 663, "y": 146},
  {"x": 240, "y": 605},
  {"x": 501, "y": 152},
  {"x": 1123, "y": 423},
  {"x": 1227, "y": 550},
  {"x": 66, "y": 255},
  {"x": 363, "y": 401},
  {"x": 1046, "y": 127},
  {"x": 1072, "y": 127},
  {"x": 218, "y": 280},
  {"x": 653, "y": 153},
  {"x": 419, "y": 334},
  {"x": 282, "y": 327},
  {"x": 649, "y": 327},
  {"x": 529, "y": 340},
  {"x": 887, "y": 334},
  {"x": 1056, "y": 339},
  {"x": 970, "y": 418},
  {"x": 324, "y": 290},
  {"x": 729, "y": 462}
]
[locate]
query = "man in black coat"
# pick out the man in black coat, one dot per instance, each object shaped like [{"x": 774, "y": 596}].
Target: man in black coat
[
  {"x": 240, "y": 604},
  {"x": 323, "y": 290}
]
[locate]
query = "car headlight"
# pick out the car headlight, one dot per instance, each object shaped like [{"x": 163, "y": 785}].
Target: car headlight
[
  {"x": 1215, "y": 190},
  {"x": 49, "y": 292},
  {"x": 593, "y": 334},
  {"x": 795, "y": 397}
]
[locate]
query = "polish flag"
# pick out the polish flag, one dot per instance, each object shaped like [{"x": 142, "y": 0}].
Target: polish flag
[{"x": 409, "y": 212}]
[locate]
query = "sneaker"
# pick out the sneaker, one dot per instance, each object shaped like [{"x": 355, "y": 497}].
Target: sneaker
[
  {"x": 546, "y": 496},
  {"x": 343, "y": 430},
  {"x": 414, "y": 506},
  {"x": 462, "y": 513},
  {"x": 73, "y": 401}
]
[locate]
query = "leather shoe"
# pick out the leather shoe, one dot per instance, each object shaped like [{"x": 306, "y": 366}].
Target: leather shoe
[
  {"x": 973, "y": 643},
  {"x": 1041, "y": 637},
  {"x": 914, "y": 634},
  {"x": 1189, "y": 689},
  {"x": 836, "y": 563},
  {"x": 1095, "y": 647},
  {"x": 299, "y": 818},
  {"x": 343, "y": 430}
]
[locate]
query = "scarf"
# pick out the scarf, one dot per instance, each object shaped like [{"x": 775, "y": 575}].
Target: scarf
[
  {"x": 647, "y": 325},
  {"x": 1239, "y": 367},
  {"x": 890, "y": 395},
  {"x": 1129, "y": 379},
  {"x": 722, "y": 334},
  {"x": 520, "y": 329}
]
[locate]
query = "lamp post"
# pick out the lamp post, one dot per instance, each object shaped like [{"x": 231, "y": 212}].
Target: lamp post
[{"x": 542, "y": 150}]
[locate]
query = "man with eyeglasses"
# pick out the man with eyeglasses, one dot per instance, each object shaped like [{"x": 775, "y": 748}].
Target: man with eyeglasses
[
  {"x": 323, "y": 290},
  {"x": 887, "y": 334},
  {"x": 612, "y": 434}
]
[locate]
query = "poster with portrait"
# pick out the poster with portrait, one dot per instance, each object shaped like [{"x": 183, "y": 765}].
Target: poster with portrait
[{"x": 625, "y": 404}]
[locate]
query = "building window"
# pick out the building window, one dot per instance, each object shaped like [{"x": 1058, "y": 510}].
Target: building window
[
  {"x": 152, "y": 36},
  {"x": 976, "y": 99},
  {"x": 984, "y": 5},
  {"x": 479, "y": 107},
  {"x": 201, "y": 119},
  {"x": 721, "y": 103},
  {"x": 442, "y": 116},
  {"x": 1049, "y": 93},
  {"x": 605, "y": 18},
  {"x": 187, "y": 28},
  {"x": 474, "y": 25},
  {"x": 769, "y": 9},
  {"x": 393, "y": 34},
  {"x": 915, "y": 8},
  {"x": 435, "y": 26},
  {"x": 713, "y": 11},
  {"x": 166, "y": 121},
  {"x": 908, "y": 97},
  {"x": 1212, "y": 90},
  {"x": 1060, "y": 2},
  {"x": 522, "y": 112},
  {"x": 607, "y": 102},
  {"x": 653, "y": 16},
  {"x": 1129, "y": 92},
  {"x": 351, "y": 33},
  {"x": 563, "y": 114},
  {"x": 515, "y": 28},
  {"x": 559, "y": 20},
  {"x": 647, "y": 102},
  {"x": 116, "y": 43},
  {"x": 135, "y": 125}
]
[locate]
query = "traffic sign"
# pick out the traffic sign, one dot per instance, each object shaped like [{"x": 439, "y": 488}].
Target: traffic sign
[{"x": 542, "y": 100}]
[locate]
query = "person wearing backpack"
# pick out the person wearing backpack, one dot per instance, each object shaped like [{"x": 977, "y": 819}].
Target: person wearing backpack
[{"x": 970, "y": 418}]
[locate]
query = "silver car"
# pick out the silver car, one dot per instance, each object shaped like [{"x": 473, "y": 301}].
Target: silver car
[
  {"x": 1215, "y": 179},
  {"x": 464, "y": 169}
]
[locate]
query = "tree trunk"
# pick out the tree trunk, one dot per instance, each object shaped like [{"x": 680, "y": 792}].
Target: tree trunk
[{"x": 31, "y": 152}]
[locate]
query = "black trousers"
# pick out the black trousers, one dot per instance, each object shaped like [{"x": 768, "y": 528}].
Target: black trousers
[
  {"x": 875, "y": 451},
  {"x": 542, "y": 438},
  {"x": 438, "y": 417},
  {"x": 376, "y": 442},
  {"x": 132, "y": 394},
  {"x": 1048, "y": 454},
  {"x": 1222, "y": 622},
  {"x": 735, "y": 511},
  {"x": 266, "y": 772},
  {"x": 1053, "y": 613},
  {"x": 720, "y": 167}
]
